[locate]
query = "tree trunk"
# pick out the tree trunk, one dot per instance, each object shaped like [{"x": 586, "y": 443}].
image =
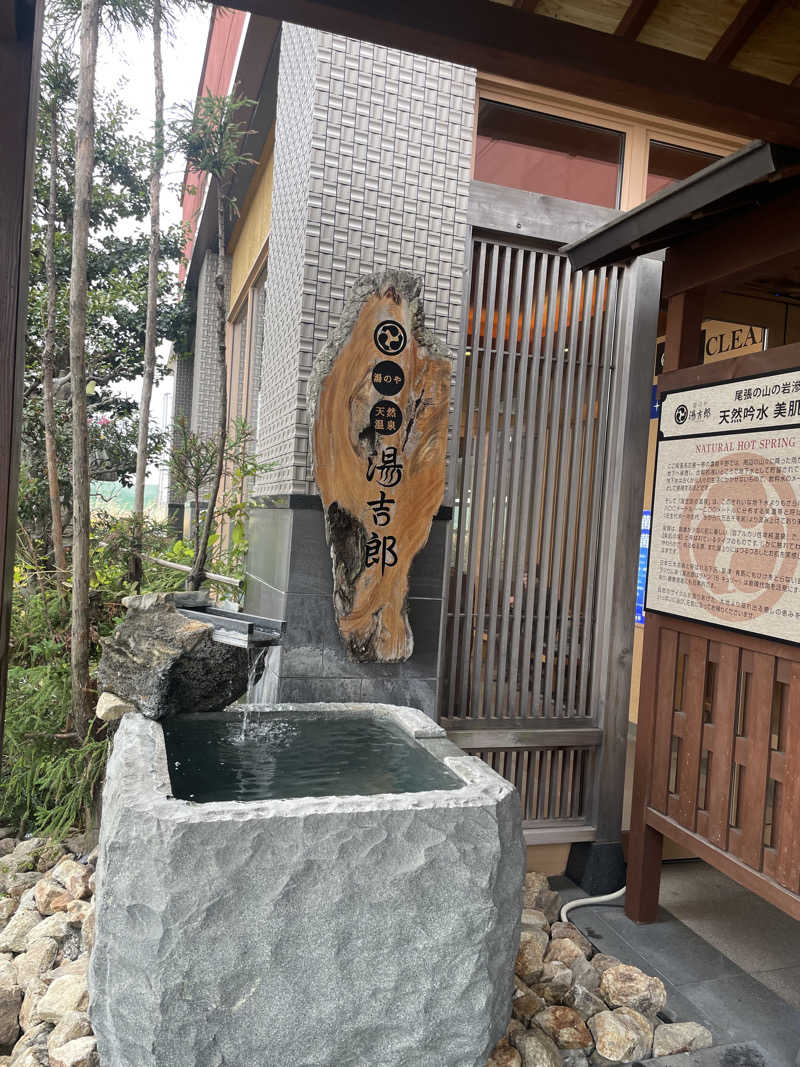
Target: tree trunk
[
  {"x": 195, "y": 579},
  {"x": 78, "y": 286},
  {"x": 135, "y": 569},
  {"x": 49, "y": 411}
]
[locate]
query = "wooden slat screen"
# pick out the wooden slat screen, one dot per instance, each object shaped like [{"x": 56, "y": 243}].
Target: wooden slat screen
[
  {"x": 538, "y": 375},
  {"x": 726, "y": 747},
  {"x": 553, "y": 783}
]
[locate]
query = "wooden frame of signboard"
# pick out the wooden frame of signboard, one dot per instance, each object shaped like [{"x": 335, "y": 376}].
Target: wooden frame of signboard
[{"x": 718, "y": 744}]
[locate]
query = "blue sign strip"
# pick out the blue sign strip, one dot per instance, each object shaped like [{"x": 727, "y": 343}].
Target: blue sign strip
[{"x": 641, "y": 578}]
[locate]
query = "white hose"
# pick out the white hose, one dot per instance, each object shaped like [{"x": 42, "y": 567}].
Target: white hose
[{"x": 582, "y": 902}]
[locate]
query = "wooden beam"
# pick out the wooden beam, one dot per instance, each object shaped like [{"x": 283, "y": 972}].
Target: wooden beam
[
  {"x": 751, "y": 14},
  {"x": 560, "y": 55},
  {"x": 19, "y": 90},
  {"x": 764, "y": 237},
  {"x": 526, "y": 5},
  {"x": 632, "y": 22}
]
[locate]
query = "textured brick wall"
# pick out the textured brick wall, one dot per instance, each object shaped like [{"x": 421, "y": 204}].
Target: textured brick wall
[
  {"x": 205, "y": 385},
  {"x": 181, "y": 405},
  {"x": 372, "y": 168}
]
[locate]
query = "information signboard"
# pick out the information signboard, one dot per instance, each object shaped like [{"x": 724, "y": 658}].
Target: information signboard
[{"x": 725, "y": 535}]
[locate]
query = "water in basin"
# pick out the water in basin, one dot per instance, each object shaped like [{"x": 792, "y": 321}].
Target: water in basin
[{"x": 211, "y": 759}]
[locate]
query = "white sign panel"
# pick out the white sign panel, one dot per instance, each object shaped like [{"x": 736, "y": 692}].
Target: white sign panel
[
  {"x": 747, "y": 404},
  {"x": 725, "y": 539}
]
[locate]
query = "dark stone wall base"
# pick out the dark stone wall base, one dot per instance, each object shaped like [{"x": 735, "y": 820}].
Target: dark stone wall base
[
  {"x": 289, "y": 577},
  {"x": 597, "y": 867}
]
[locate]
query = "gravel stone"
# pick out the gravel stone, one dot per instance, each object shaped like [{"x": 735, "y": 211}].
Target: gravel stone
[
  {"x": 585, "y": 974},
  {"x": 620, "y": 1036},
  {"x": 602, "y": 963},
  {"x": 585, "y": 1003},
  {"x": 13, "y": 938},
  {"x": 73, "y": 876},
  {"x": 572, "y": 933},
  {"x": 564, "y": 950},
  {"x": 553, "y": 983},
  {"x": 530, "y": 958},
  {"x": 56, "y": 926},
  {"x": 68, "y": 993},
  {"x": 628, "y": 987},
  {"x": 504, "y": 1055},
  {"x": 72, "y": 1025},
  {"x": 671, "y": 1038},
  {"x": 566, "y": 1028},
  {"x": 37, "y": 960},
  {"x": 536, "y": 1049},
  {"x": 79, "y": 1053}
]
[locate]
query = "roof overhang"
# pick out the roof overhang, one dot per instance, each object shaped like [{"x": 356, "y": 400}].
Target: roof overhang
[
  {"x": 556, "y": 54},
  {"x": 754, "y": 175}
]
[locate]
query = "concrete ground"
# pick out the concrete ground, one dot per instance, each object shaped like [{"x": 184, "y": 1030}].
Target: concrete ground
[{"x": 728, "y": 959}]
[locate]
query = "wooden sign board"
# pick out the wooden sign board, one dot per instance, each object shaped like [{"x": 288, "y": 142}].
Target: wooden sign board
[
  {"x": 725, "y": 536},
  {"x": 379, "y": 400},
  {"x": 720, "y": 340}
]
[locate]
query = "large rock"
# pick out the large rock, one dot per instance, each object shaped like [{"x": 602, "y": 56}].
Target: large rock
[
  {"x": 628, "y": 987},
  {"x": 164, "y": 663},
  {"x": 337, "y": 930},
  {"x": 620, "y": 1036},
  {"x": 671, "y": 1038}
]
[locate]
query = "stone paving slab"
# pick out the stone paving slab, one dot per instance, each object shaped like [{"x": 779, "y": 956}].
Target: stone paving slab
[{"x": 748, "y": 1055}]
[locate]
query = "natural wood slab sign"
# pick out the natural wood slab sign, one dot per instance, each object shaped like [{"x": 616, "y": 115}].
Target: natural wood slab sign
[{"x": 379, "y": 401}]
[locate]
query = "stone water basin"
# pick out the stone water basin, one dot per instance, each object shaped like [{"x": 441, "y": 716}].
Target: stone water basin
[{"x": 360, "y": 908}]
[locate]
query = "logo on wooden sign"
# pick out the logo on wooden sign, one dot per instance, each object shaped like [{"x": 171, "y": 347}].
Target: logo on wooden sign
[
  {"x": 725, "y": 544},
  {"x": 379, "y": 399}
]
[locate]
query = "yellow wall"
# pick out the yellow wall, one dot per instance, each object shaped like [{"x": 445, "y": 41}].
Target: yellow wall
[{"x": 252, "y": 229}]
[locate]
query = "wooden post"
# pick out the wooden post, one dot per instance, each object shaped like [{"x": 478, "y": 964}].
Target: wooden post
[
  {"x": 20, "y": 46},
  {"x": 684, "y": 319},
  {"x": 644, "y": 843}
]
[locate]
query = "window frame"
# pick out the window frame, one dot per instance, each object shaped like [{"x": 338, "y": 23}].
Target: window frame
[{"x": 637, "y": 127}]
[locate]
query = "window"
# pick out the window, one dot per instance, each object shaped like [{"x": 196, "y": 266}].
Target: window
[
  {"x": 539, "y": 153},
  {"x": 668, "y": 164}
]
